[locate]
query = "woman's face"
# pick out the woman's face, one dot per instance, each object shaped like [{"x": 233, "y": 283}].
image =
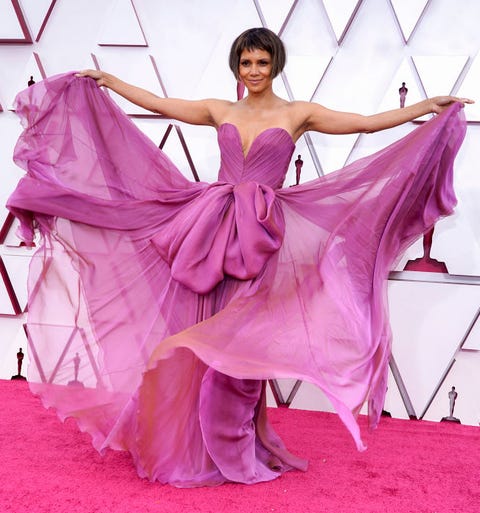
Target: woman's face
[{"x": 255, "y": 70}]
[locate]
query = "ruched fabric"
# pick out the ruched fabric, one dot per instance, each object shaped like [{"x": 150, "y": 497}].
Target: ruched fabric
[{"x": 180, "y": 299}]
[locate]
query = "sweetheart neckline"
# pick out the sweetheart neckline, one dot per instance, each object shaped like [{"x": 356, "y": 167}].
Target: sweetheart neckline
[{"x": 245, "y": 155}]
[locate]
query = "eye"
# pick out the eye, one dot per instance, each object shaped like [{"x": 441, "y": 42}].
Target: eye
[
  {"x": 244, "y": 63},
  {"x": 264, "y": 63}
]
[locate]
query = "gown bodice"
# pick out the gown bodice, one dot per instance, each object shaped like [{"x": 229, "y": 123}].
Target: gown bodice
[{"x": 266, "y": 161}]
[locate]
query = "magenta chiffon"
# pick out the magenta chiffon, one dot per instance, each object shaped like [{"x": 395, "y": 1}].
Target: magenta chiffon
[{"x": 182, "y": 298}]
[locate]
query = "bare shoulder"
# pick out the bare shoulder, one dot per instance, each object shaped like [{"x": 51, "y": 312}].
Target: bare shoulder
[
  {"x": 218, "y": 109},
  {"x": 303, "y": 108},
  {"x": 300, "y": 114}
]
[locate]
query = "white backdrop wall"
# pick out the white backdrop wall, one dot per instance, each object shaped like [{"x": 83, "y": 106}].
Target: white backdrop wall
[{"x": 346, "y": 54}]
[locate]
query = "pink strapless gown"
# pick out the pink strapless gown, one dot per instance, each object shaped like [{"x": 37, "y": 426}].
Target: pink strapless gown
[{"x": 180, "y": 299}]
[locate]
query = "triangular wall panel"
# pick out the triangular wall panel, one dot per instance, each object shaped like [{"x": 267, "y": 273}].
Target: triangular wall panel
[
  {"x": 469, "y": 89},
  {"x": 409, "y": 14},
  {"x": 174, "y": 143},
  {"x": 9, "y": 304},
  {"x": 333, "y": 150},
  {"x": 136, "y": 70},
  {"x": 275, "y": 12},
  {"x": 122, "y": 26},
  {"x": 35, "y": 69},
  {"x": 439, "y": 74},
  {"x": 37, "y": 12},
  {"x": 472, "y": 342},
  {"x": 17, "y": 265},
  {"x": 464, "y": 376},
  {"x": 309, "y": 168},
  {"x": 6, "y": 228},
  {"x": 412, "y": 326},
  {"x": 393, "y": 401},
  {"x": 310, "y": 56},
  {"x": 13, "y": 26},
  {"x": 304, "y": 74},
  {"x": 407, "y": 73},
  {"x": 341, "y": 15}
]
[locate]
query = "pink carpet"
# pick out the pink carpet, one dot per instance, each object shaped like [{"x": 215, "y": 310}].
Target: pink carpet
[{"x": 410, "y": 466}]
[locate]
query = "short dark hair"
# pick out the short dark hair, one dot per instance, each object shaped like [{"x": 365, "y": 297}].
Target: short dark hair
[{"x": 258, "y": 39}]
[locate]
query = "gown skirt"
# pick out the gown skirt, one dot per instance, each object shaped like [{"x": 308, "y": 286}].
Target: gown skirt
[{"x": 159, "y": 306}]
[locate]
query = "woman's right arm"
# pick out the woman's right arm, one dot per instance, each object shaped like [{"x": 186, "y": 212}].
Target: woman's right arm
[{"x": 195, "y": 112}]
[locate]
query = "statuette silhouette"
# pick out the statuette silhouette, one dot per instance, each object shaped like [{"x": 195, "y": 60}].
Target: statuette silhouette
[
  {"x": 76, "y": 367},
  {"x": 403, "y": 95},
  {"x": 298, "y": 169},
  {"x": 452, "y": 397},
  {"x": 20, "y": 356}
]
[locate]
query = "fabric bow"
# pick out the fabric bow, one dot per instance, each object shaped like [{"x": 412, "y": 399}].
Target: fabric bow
[{"x": 227, "y": 230}]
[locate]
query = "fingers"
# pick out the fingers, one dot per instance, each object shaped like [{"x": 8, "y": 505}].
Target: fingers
[
  {"x": 83, "y": 73},
  {"x": 440, "y": 103},
  {"x": 92, "y": 73},
  {"x": 460, "y": 100},
  {"x": 95, "y": 74}
]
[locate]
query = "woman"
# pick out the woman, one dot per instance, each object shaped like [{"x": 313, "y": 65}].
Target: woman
[{"x": 182, "y": 298}]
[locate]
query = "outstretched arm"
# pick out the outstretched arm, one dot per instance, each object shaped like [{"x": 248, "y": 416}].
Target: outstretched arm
[
  {"x": 321, "y": 119},
  {"x": 199, "y": 112}
]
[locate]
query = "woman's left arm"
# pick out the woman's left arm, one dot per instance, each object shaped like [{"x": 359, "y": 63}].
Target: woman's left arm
[{"x": 320, "y": 119}]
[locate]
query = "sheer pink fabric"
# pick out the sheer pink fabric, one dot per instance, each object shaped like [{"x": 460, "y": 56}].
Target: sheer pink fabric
[{"x": 181, "y": 297}]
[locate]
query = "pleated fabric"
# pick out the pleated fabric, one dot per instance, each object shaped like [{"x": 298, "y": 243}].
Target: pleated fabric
[{"x": 158, "y": 306}]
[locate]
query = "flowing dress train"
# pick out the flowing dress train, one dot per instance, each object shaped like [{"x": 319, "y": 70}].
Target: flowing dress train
[{"x": 179, "y": 299}]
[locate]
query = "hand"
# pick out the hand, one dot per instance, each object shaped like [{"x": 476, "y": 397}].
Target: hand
[
  {"x": 97, "y": 75},
  {"x": 439, "y": 103}
]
